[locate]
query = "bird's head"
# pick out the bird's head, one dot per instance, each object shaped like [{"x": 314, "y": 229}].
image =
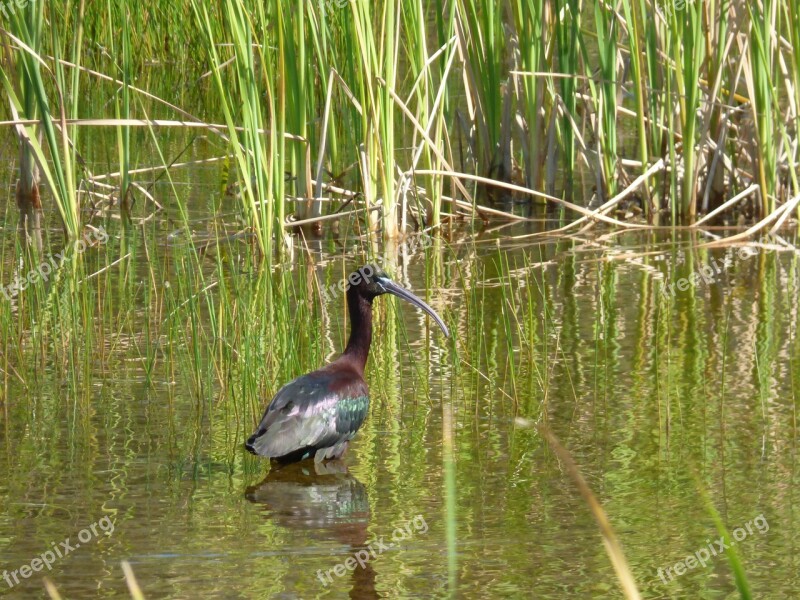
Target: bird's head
[{"x": 371, "y": 281}]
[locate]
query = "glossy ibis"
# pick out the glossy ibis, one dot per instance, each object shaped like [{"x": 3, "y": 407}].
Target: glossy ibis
[{"x": 319, "y": 413}]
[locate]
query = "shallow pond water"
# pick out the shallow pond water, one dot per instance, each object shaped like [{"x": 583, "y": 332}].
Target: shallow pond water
[{"x": 660, "y": 397}]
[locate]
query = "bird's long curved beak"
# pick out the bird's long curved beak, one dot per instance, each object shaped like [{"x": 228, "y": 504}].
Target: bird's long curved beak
[{"x": 401, "y": 292}]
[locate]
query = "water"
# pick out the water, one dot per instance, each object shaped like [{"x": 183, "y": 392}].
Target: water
[{"x": 656, "y": 396}]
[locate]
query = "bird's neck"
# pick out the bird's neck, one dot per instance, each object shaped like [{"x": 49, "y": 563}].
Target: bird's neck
[{"x": 360, "y": 309}]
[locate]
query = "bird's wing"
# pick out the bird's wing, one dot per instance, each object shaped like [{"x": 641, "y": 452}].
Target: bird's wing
[{"x": 317, "y": 410}]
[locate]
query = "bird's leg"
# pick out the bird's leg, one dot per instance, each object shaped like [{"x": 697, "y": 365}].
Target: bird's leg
[
  {"x": 340, "y": 450},
  {"x": 330, "y": 467},
  {"x": 333, "y": 453}
]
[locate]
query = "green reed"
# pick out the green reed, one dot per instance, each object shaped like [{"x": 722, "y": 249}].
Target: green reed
[
  {"x": 604, "y": 95},
  {"x": 27, "y": 92},
  {"x": 531, "y": 27},
  {"x": 763, "y": 62},
  {"x": 481, "y": 36},
  {"x": 430, "y": 92},
  {"x": 635, "y": 16},
  {"x": 255, "y": 151},
  {"x": 377, "y": 39},
  {"x": 567, "y": 27},
  {"x": 122, "y": 104},
  {"x": 297, "y": 96},
  {"x": 681, "y": 68}
]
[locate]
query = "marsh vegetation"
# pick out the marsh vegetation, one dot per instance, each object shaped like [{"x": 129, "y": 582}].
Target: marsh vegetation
[{"x": 599, "y": 199}]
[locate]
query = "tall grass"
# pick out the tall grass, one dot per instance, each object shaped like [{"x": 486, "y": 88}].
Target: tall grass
[
  {"x": 688, "y": 55},
  {"x": 635, "y": 16},
  {"x": 296, "y": 94},
  {"x": 430, "y": 93},
  {"x": 481, "y": 37},
  {"x": 530, "y": 19},
  {"x": 255, "y": 151},
  {"x": 567, "y": 27},
  {"x": 541, "y": 94},
  {"x": 765, "y": 27},
  {"x": 377, "y": 42},
  {"x": 122, "y": 105},
  {"x": 604, "y": 94},
  {"x": 26, "y": 88}
]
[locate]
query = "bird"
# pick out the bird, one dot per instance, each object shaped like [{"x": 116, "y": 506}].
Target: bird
[{"x": 318, "y": 414}]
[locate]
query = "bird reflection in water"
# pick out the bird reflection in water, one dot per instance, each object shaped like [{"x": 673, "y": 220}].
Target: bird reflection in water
[{"x": 324, "y": 498}]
